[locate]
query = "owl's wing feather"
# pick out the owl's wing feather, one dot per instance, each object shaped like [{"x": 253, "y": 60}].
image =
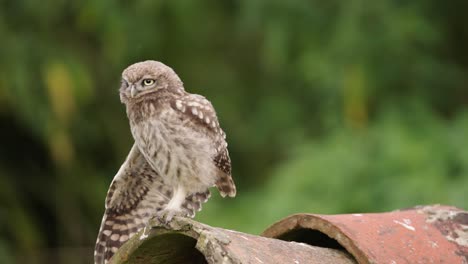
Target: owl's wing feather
[
  {"x": 135, "y": 195},
  {"x": 225, "y": 183},
  {"x": 193, "y": 203},
  {"x": 198, "y": 109}
]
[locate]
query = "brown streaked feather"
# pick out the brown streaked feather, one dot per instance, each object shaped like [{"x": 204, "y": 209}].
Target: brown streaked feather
[
  {"x": 128, "y": 205},
  {"x": 225, "y": 184}
]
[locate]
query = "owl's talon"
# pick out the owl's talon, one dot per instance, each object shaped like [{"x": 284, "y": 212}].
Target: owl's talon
[{"x": 166, "y": 216}]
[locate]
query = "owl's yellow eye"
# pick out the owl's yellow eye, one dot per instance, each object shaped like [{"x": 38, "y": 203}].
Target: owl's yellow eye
[{"x": 148, "y": 82}]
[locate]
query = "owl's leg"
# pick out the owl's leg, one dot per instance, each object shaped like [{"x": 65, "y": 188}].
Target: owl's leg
[{"x": 174, "y": 207}]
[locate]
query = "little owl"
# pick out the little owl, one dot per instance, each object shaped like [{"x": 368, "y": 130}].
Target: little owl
[{"x": 180, "y": 151}]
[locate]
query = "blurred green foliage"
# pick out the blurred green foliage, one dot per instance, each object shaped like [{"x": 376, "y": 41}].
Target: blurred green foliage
[{"x": 329, "y": 106}]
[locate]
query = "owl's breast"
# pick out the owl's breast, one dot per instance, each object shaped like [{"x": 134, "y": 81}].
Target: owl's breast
[{"x": 175, "y": 149}]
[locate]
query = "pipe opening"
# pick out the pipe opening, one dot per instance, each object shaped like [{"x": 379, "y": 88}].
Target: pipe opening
[
  {"x": 169, "y": 248},
  {"x": 312, "y": 237}
]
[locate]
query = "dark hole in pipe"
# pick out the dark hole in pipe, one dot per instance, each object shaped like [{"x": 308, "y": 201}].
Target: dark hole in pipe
[
  {"x": 313, "y": 238},
  {"x": 170, "y": 248}
]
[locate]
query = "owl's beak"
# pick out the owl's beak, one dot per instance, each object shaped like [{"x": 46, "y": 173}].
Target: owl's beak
[{"x": 133, "y": 91}]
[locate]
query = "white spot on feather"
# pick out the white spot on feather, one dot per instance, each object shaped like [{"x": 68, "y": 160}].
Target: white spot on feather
[
  {"x": 178, "y": 104},
  {"x": 123, "y": 238},
  {"x": 193, "y": 103}
]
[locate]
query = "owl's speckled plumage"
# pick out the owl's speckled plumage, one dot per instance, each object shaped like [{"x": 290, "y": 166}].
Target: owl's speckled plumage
[{"x": 180, "y": 152}]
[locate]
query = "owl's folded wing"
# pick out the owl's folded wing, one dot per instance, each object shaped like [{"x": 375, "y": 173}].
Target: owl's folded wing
[{"x": 198, "y": 109}]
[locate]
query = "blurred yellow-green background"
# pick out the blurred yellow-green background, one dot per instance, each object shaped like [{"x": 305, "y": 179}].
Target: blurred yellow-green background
[{"x": 329, "y": 107}]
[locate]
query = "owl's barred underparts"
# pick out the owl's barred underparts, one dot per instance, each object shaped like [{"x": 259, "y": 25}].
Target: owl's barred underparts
[{"x": 180, "y": 151}]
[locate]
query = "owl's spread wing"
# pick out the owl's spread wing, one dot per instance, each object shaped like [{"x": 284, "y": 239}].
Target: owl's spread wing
[
  {"x": 135, "y": 195},
  {"x": 198, "y": 109}
]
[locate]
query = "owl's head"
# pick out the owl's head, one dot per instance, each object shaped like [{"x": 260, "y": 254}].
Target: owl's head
[{"x": 147, "y": 77}]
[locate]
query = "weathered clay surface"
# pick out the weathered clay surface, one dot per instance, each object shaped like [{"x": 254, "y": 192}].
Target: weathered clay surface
[
  {"x": 186, "y": 241},
  {"x": 424, "y": 234}
]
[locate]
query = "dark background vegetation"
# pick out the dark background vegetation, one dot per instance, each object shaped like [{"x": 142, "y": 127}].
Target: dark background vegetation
[{"x": 329, "y": 107}]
